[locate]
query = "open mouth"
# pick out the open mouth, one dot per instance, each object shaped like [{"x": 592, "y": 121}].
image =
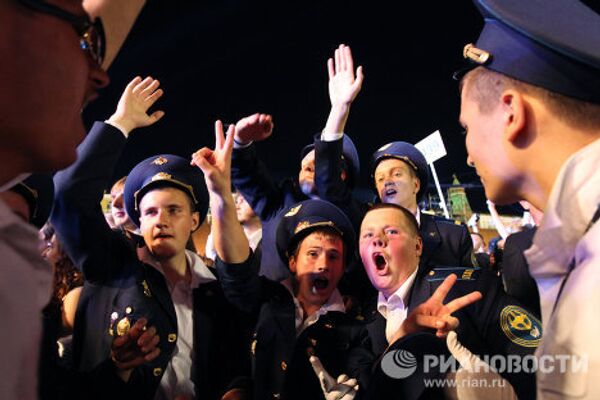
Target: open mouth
[
  {"x": 163, "y": 236},
  {"x": 389, "y": 192},
  {"x": 379, "y": 261},
  {"x": 320, "y": 283}
]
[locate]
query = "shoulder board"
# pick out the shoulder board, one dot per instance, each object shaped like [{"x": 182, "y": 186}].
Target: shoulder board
[
  {"x": 463, "y": 273},
  {"x": 439, "y": 218},
  {"x": 448, "y": 221}
]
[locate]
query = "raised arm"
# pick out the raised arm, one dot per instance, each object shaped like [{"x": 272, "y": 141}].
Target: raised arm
[
  {"x": 497, "y": 221},
  {"x": 77, "y": 214},
  {"x": 344, "y": 86},
  {"x": 236, "y": 265},
  {"x": 250, "y": 175},
  {"x": 229, "y": 239},
  {"x": 333, "y": 182}
]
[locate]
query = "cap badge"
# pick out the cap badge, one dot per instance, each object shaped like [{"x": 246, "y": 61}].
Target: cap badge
[
  {"x": 301, "y": 226},
  {"x": 161, "y": 176},
  {"x": 160, "y": 161},
  {"x": 305, "y": 224},
  {"x": 293, "y": 211},
  {"x": 476, "y": 55}
]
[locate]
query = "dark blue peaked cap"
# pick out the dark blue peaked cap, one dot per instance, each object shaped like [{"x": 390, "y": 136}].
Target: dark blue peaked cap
[
  {"x": 553, "y": 44},
  {"x": 38, "y": 191},
  {"x": 300, "y": 220},
  {"x": 410, "y": 155},
  {"x": 164, "y": 170}
]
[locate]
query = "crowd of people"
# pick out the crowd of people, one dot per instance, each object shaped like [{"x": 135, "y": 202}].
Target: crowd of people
[{"x": 300, "y": 291}]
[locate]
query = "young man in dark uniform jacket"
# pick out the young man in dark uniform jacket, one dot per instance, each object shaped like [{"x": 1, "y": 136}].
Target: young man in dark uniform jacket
[
  {"x": 268, "y": 199},
  {"x": 301, "y": 315},
  {"x": 400, "y": 176},
  {"x": 390, "y": 248},
  {"x": 196, "y": 329}
]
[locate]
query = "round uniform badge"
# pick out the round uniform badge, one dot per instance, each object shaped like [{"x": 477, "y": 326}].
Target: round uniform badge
[{"x": 520, "y": 326}]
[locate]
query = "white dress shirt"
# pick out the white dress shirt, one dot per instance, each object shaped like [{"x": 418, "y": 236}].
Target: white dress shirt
[
  {"x": 177, "y": 379},
  {"x": 334, "y": 303},
  {"x": 573, "y": 327},
  {"x": 395, "y": 308},
  {"x": 25, "y": 288},
  {"x": 209, "y": 249}
]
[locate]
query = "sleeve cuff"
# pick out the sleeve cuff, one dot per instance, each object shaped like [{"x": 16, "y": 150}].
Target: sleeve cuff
[
  {"x": 331, "y": 137},
  {"x": 240, "y": 145},
  {"x": 124, "y": 131}
]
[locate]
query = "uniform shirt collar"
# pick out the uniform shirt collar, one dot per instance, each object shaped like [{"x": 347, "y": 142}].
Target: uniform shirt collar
[
  {"x": 571, "y": 205},
  {"x": 334, "y": 303},
  {"x": 398, "y": 299},
  {"x": 255, "y": 238},
  {"x": 200, "y": 272},
  {"x": 572, "y": 202}
]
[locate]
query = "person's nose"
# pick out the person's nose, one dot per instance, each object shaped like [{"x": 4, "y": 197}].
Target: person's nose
[
  {"x": 118, "y": 202},
  {"x": 97, "y": 79},
  {"x": 323, "y": 263},
  {"x": 379, "y": 241},
  {"x": 470, "y": 161},
  {"x": 162, "y": 219}
]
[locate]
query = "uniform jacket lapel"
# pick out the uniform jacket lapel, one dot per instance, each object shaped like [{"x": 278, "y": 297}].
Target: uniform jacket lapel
[
  {"x": 431, "y": 238},
  {"x": 157, "y": 288},
  {"x": 420, "y": 291}
]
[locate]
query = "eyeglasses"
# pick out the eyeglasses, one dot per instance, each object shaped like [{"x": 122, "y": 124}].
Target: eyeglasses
[{"x": 91, "y": 34}]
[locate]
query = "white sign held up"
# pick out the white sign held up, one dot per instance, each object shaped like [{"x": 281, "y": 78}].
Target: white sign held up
[{"x": 433, "y": 149}]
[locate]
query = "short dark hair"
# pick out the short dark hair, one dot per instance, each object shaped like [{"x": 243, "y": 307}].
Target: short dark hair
[
  {"x": 160, "y": 185},
  {"x": 413, "y": 225},
  {"x": 326, "y": 231},
  {"x": 486, "y": 87}
]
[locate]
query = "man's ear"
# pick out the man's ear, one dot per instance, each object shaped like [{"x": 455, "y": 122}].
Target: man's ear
[
  {"x": 419, "y": 246},
  {"x": 195, "y": 220},
  {"x": 514, "y": 112},
  {"x": 417, "y": 182},
  {"x": 292, "y": 264}
]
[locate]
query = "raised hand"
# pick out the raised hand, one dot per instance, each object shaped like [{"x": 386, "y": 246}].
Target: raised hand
[
  {"x": 216, "y": 164},
  {"x": 343, "y": 85},
  {"x": 136, "y": 347},
  {"x": 434, "y": 313},
  {"x": 344, "y": 388},
  {"x": 254, "y": 128},
  {"x": 137, "y": 98}
]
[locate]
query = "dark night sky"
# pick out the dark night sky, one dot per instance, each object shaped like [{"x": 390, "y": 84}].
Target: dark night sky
[{"x": 226, "y": 59}]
